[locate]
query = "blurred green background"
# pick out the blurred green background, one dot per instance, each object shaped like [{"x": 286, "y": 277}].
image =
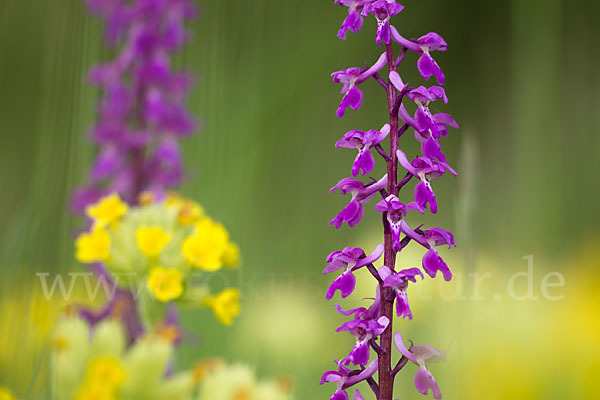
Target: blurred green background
[{"x": 523, "y": 82}]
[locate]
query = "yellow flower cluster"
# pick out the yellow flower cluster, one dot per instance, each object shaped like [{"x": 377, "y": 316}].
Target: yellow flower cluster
[
  {"x": 103, "y": 378},
  {"x": 161, "y": 242},
  {"x": 236, "y": 382},
  {"x": 96, "y": 364}
]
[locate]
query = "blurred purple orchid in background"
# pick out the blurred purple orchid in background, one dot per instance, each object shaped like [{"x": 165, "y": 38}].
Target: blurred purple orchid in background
[
  {"x": 142, "y": 114},
  {"x": 141, "y": 117}
]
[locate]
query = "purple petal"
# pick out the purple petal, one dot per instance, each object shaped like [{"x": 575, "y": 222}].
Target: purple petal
[
  {"x": 431, "y": 149},
  {"x": 402, "y": 348},
  {"x": 425, "y": 381},
  {"x": 439, "y": 237},
  {"x": 427, "y": 67},
  {"x": 347, "y": 185},
  {"x": 364, "y": 160},
  {"x": 364, "y": 374},
  {"x": 402, "y": 307},
  {"x": 331, "y": 376},
  {"x": 360, "y": 353},
  {"x": 424, "y": 195},
  {"x": 409, "y": 44},
  {"x": 445, "y": 119},
  {"x": 405, "y": 163},
  {"x": 371, "y": 258},
  {"x": 353, "y": 98},
  {"x": 339, "y": 395},
  {"x": 353, "y": 22},
  {"x": 358, "y": 311},
  {"x": 432, "y": 263},
  {"x": 345, "y": 283},
  {"x": 432, "y": 41},
  {"x": 408, "y": 231},
  {"x": 397, "y": 81}
]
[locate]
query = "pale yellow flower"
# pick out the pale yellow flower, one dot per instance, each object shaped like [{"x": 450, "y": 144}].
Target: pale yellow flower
[
  {"x": 165, "y": 284},
  {"x": 225, "y": 305},
  {"x": 205, "y": 247},
  {"x": 107, "y": 210},
  {"x": 231, "y": 255},
  {"x": 93, "y": 246},
  {"x": 151, "y": 240}
]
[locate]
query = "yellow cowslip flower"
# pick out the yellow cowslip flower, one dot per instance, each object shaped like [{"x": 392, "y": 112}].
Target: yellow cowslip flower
[
  {"x": 5, "y": 394},
  {"x": 231, "y": 255},
  {"x": 94, "y": 392},
  {"x": 107, "y": 210},
  {"x": 225, "y": 305},
  {"x": 205, "y": 247},
  {"x": 151, "y": 240},
  {"x": 93, "y": 246},
  {"x": 165, "y": 284},
  {"x": 190, "y": 212},
  {"x": 105, "y": 371}
]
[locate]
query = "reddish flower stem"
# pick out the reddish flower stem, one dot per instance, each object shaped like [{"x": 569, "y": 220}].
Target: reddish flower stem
[{"x": 386, "y": 378}]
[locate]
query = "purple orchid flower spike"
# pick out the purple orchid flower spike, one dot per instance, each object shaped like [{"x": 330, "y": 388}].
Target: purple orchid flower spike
[
  {"x": 372, "y": 326},
  {"x": 350, "y": 259},
  {"x": 425, "y": 170},
  {"x": 354, "y": 20},
  {"x": 396, "y": 211},
  {"x": 399, "y": 282},
  {"x": 345, "y": 378},
  {"x": 422, "y": 355},
  {"x": 363, "y": 330},
  {"x": 363, "y": 141},
  {"x": 353, "y": 212},
  {"x": 351, "y": 78},
  {"x": 383, "y": 10},
  {"x": 142, "y": 112},
  {"x": 423, "y": 46},
  {"x": 432, "y": 262}
]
